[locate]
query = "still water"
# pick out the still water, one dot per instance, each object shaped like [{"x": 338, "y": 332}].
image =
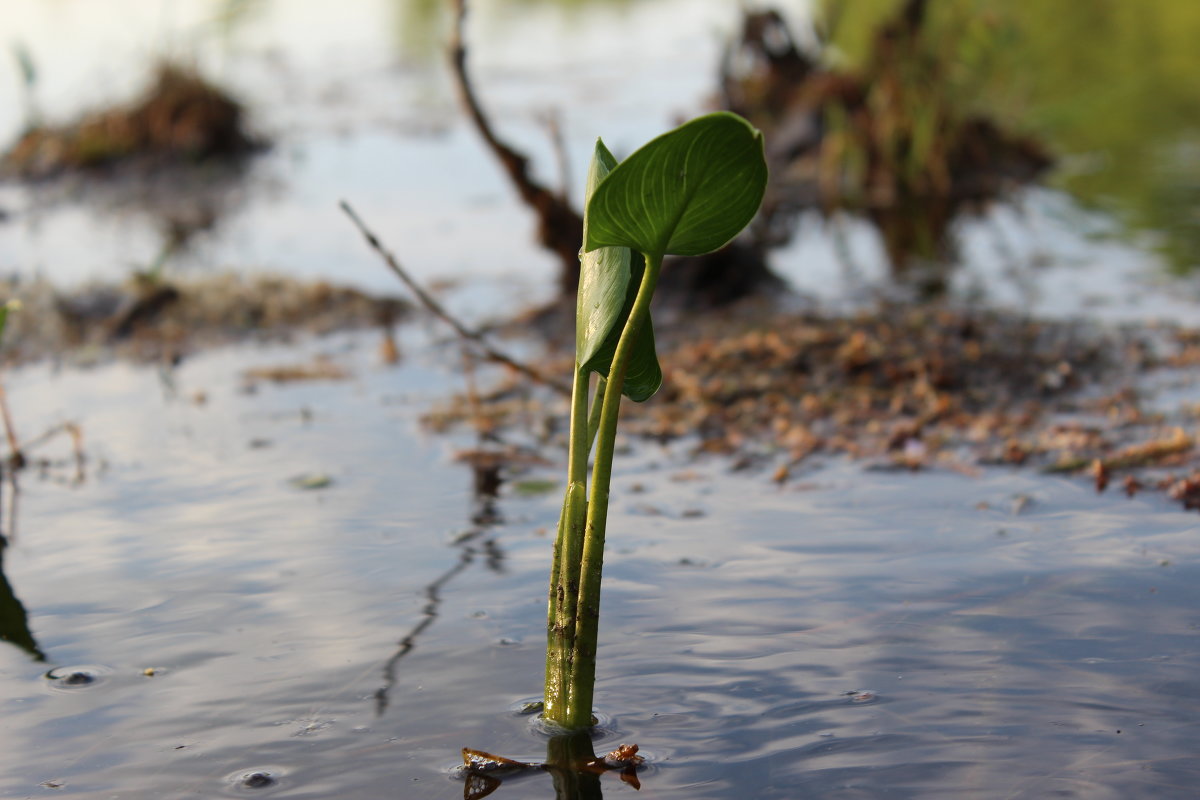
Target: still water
[{"x": 856, "y": 634}]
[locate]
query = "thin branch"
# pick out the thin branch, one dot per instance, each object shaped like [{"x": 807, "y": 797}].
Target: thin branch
[{"x": 441, "y": 313}]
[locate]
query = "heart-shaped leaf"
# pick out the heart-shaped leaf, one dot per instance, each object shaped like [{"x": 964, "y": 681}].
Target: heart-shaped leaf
[
  {"x": 687, "y": 192},
  {"x": 608, "y": 283}
]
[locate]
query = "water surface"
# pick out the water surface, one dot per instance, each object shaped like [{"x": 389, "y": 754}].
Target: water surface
[{"x": 854, "y": 634}]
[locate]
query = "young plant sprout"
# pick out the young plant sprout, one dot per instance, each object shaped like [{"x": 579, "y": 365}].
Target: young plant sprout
[{"x": 687, "y": 192}]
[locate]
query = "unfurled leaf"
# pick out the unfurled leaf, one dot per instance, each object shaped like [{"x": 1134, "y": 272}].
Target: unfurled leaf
[
  {"x": 688, "y": 192},
  {"x": 603, "y": 275},
  {"x": 608, "y": 283}
]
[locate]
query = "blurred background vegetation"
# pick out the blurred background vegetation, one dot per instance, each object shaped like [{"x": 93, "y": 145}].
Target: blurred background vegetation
[{"x": 1109, "y": 85}]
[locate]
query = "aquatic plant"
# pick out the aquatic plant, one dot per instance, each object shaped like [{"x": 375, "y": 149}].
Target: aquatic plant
[{"x": 687, "y": 192}]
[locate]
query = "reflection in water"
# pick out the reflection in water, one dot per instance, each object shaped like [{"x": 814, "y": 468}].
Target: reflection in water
[
  {"x": 14, "y": 620},
  {"x": 570, "y": 759},
  {"x": 564, "y": 757},
  {"x": 470, "y": 543}
]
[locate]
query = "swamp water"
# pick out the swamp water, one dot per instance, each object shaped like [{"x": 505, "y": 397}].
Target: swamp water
[
  {"x": 328, "y": 609},
  {"x": 855, "y": 634}
]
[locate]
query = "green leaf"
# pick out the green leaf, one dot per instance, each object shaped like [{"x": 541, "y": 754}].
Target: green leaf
[
  {"x": 608, "y": 283},
  {"x": 603, "y": 276},
  {"x": 643, "y": 376},
  {"x": 687, "y": 192}
]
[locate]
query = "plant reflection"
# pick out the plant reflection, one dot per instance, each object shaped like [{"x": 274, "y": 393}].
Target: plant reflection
[
  {"x": 14, "y": 619},
  {"x": 472, "y": 542},
  {"x": 566, "y": 757},
  {"x": 570, "y": 759}
]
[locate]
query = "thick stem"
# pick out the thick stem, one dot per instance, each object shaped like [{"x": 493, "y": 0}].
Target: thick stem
[
  {"x": 564, "y": 572},
  {"x": 554, "y": 696},
  {"x": 581, "y": 687}
]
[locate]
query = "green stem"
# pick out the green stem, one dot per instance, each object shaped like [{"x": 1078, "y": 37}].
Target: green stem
[
  {"x": 581, "y": 687},
  {"x": 594, "y": 419},
  {"x": 556, "y": 657},
  {"x": 564, "y": 572}
]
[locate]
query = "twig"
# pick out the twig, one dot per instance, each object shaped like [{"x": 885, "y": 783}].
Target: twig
[{"x": 437, "y": 310}]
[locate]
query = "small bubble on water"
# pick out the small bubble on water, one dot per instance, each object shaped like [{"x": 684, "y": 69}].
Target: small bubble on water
[{"x": 257, "y": 780}]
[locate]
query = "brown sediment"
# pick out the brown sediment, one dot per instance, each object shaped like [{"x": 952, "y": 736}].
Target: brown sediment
[{"x": 905, "y": 388}]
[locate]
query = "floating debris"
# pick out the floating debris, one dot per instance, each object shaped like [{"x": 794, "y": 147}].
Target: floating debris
[
  {"x": 483, "y": 771},
  {"x": 311, "y": 481},
  {"x": 477, "y": 762},
  {"x": 626, "y": 755},
  {"x": 321, "y": 368},
  {"x": 534, "y": 487},
  {"x": 862, "y": 696}
]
